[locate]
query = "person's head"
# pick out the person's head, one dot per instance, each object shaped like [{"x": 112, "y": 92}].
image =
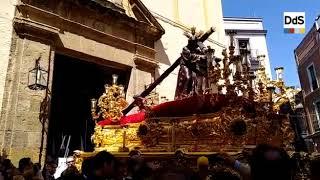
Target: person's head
[
  {"x": 134, "y": 153},
  {"x": 315, "y": 167},
  {"x": 70, "y": 161},
  {"x": 269, "y": 162},
  {"x": 104, "y": 163},
  {"x": 203, "y": 166},
  {"x": 193, "y": 30},
  {"x": 7, "y": 164},
  {"x": 25, "y": 164},
  {"x": 51, "y": 166},
  {"x": 203, "y": 163}
]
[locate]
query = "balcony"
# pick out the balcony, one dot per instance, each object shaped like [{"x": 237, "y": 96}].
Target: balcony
[
  {"x": 255, "y": 53},
  {"x": 254, "y": 57}
]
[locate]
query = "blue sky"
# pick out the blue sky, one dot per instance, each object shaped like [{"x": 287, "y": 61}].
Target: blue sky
[{"x": 280, "y": 45}]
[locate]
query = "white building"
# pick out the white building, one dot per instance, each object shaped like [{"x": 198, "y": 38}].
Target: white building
[
  {"x": 250, "y": 35},
  {"x": 7, "y": 9},
  {"x": 176, "y": 17}
]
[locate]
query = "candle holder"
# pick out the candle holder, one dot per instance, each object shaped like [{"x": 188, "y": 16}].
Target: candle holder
[
  {"x": 94, "y": 108},
  {"x": 251, "y": 86},
  {"x": 279, "y": 73},
  {"x": 271, "y": 90}
]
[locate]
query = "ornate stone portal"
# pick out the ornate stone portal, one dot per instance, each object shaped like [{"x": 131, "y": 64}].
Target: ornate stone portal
[{"x": 102, "y": 33}]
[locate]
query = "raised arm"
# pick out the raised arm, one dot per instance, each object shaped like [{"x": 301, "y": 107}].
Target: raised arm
[{"x": 206, "y": 35}]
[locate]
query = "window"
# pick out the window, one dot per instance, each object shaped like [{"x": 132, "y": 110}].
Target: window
[
  {"x": 312, "y": 78},
  {"x": 243, "y": 46},
  {"x": 316, "y": 120}
]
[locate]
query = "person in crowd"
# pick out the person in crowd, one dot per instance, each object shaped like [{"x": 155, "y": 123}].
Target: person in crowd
[
  {"x": 25, "y": 170},
  {"x": 36, "y": 173},
  {"x": 8, "y": 169},
  {"x": 49, "y": 169},
  {"x": 103, "y": 166},
  {"x": 315, "y": 169},
  {"x": 2, "y": 171},
  {"x": 202, "y": 172},
  {"x": 269, "y": 162},
  {"x": 244, "y": 169},
  {"x": 143, "y": 172},
  {"x": 71, "y": 173},
  {"x": 133, "y": 164},
  {"x": 266, "y": 162},
  {"x": 70, "y": 161},
  {"x": 86, "y": 168},
  {"x": 225, "y": 174},
  {"x": 121, "y": 169},
  {"x": 28, "y": 170}
]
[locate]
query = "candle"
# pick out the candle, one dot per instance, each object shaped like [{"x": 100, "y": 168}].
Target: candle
[
  {"x": 106, "y": 87},
  {"x": 93, "y": 104},
  {"x": 114, "y": 78},
  {"x": 121, "y": 88}
]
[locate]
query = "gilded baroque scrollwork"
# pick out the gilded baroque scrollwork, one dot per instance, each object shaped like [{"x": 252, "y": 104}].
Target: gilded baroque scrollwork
[{"x": 111, "y": 103}]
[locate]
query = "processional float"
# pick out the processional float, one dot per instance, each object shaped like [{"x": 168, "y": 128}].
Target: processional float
[{"x": 220, "y": 105}]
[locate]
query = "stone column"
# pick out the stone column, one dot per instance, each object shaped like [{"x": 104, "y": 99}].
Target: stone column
[{"x": 20, "y": 125}]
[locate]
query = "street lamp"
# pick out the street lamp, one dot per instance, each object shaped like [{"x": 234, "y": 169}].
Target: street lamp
[{"x": 38, "y": 77}]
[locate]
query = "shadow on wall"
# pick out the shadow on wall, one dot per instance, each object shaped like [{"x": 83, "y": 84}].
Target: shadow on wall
[
  {"x": 163, "y": 59},
  {"x": 161, "y": 54}
]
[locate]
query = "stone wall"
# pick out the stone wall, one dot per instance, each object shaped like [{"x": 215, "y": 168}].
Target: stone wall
[{"x": 20, "y": 126}]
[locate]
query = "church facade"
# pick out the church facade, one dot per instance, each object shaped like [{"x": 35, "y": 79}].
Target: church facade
[{"x": 118, "y": 36}]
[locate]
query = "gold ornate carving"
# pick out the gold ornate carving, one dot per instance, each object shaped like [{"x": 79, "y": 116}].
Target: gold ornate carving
[
  {"x": 116, "y": 138},
  {"x": 111, "y": 103}
]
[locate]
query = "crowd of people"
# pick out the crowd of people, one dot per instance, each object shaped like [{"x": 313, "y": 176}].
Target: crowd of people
[{"x": 265, "y": 162}]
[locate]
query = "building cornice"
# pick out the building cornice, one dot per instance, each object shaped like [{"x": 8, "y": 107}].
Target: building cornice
[
  {"x": 304, "y": 56},
  {"x": 247, "y": 31},
  {"x": 109, "y": 12},
  {"x": 254, "y": 19},
  {"x": 51, "y": 30},
  {"x": 183, "y": 27}
]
